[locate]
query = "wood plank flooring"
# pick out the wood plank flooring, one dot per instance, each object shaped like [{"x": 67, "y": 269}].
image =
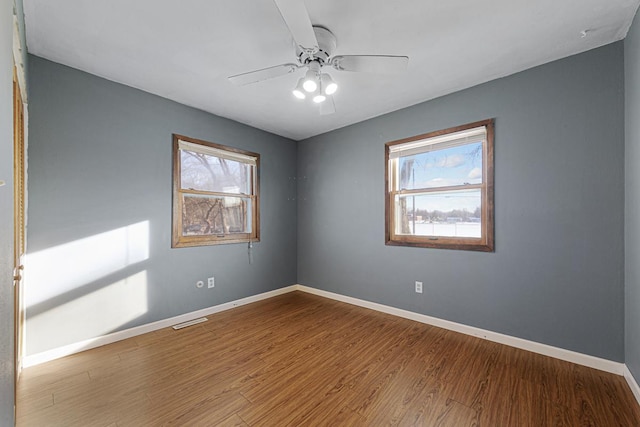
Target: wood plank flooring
[{"x": 302, "y": 360}]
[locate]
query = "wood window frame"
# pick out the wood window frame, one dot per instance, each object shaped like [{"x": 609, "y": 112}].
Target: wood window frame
[
  {"x": 486, "y": 242},
  {"x": 179, "y": 240}
]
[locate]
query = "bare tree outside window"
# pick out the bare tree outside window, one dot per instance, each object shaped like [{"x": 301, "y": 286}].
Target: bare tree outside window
[{"x": 215, "y": 194}]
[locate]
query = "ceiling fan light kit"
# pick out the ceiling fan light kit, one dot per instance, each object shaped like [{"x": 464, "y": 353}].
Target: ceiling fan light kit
[
  {"x": 320, "y": 85},
  {"x": 314, "y": 47}
]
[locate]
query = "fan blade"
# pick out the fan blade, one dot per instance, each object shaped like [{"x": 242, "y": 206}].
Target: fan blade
[
  {"x": 384, "y": 64},
  {"x": 328, "y": 106},
  {"x": 263, "y": 74},
  {"x": 295, "y": 15}
]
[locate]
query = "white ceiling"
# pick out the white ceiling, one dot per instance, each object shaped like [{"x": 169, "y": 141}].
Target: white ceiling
[{"x": 185, "y": 50}]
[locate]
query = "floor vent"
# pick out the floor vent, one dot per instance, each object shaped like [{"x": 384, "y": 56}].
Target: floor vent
[{"x": 189, "y": 323}]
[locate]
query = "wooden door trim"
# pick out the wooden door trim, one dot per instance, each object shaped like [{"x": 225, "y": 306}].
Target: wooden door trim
[{"x": 19, "y": 218}]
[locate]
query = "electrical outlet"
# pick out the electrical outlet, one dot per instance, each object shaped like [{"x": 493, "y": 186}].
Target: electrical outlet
[
  {"x": 199, "y": 284},
  {"x": 419, "y": 287},
  {"x": 211, "y": 282}
]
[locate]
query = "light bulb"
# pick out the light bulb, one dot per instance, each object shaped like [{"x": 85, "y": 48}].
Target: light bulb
[
  {"x": 319, "y": 98},
  {"x": 298, "y": 92},
  {"x": 330, "y": 87},
  {"x": 310, "y": 86},
  {"x": 310, "y": 81}
]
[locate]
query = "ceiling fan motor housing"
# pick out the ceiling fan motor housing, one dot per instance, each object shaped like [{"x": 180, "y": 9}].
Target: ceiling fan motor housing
[{"x": 326, "y": 43}]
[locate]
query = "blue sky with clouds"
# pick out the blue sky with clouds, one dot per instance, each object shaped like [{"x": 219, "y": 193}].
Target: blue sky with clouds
[{"x": 441, "y": 168}]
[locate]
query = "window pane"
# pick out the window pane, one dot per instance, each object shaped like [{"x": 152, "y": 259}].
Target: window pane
[
  {"x": 209, "y": 173},
  {"x": 204, "y": 215},
  {"x": 441, "y": 168},
  {"x": 451, "y": 214}
]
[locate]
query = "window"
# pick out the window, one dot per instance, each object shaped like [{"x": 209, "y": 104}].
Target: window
[
  {"x": 439, "y": 189},
  {"x": 215, "y": 194}
]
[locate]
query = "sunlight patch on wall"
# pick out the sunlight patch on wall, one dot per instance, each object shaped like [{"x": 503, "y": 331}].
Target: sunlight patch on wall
[
  {"x": 63, "y": 268},
  {"x": 98, "y": 312}
]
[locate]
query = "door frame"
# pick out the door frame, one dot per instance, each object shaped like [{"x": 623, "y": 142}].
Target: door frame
[{"x": 19, "y": 221}]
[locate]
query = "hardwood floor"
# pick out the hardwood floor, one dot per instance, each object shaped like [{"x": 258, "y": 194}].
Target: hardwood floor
[{"x": 302, "y": 360}]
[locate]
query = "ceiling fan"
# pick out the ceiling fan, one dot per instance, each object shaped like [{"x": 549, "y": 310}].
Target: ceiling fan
[{"x": 314, "y": 48}]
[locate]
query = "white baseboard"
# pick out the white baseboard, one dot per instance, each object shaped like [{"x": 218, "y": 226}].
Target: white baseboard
[
  {"x": 547, "y": 350},
  {"x": 633, "y": 384},
  {"x": 56, "y": 353},
  {"x": 544, "y": 349}
]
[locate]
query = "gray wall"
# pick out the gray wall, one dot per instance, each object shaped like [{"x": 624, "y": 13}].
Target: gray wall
[
  {"x": 632, "y": 198},
  {"x": 6, "y": 213},
  {"x": 556, "y": 276},
  {"x": 99, "y": 161},
  {"x": 99, "y": 232}
]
